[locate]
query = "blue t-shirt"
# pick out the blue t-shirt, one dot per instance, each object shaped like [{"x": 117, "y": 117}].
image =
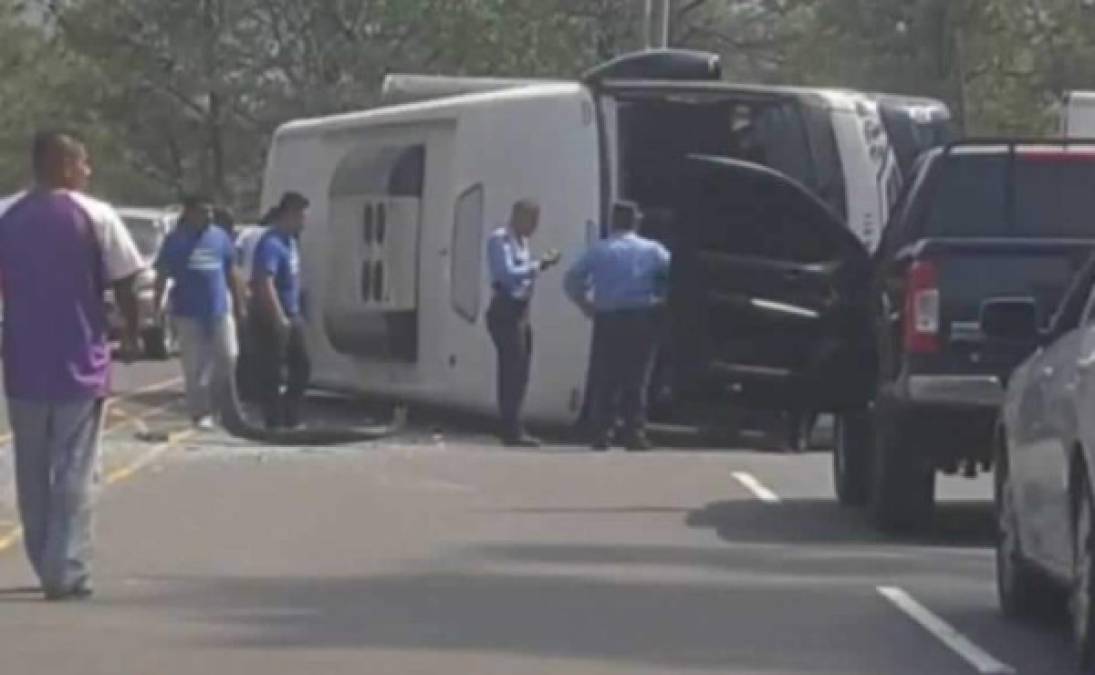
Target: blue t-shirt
[
  {"x": 277, "y": 257},
  {"x": 200, "y": 264}
]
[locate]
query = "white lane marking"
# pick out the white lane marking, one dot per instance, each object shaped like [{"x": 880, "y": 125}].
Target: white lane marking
[
  {"x": 981, "y": 660},
  {"x": 759, "y": 491}
]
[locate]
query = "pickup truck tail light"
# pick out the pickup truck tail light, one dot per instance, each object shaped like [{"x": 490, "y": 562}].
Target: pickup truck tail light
[{"x": 922, "y": 309}]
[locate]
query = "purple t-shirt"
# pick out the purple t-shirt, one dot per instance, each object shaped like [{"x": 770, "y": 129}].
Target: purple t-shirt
[{"x": 58, "y": 251}]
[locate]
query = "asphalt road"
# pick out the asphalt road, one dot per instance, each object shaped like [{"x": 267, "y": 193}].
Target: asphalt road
[{"x": 446, "y": 554}]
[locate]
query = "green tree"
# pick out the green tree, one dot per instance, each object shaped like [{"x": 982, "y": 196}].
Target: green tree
[
  {"x": 180, "y": 93},
  {"x": 43, "y": 85}
]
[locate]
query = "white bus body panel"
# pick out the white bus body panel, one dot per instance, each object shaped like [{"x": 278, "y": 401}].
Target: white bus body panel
[
  {"x": 872, "y": 177},
  {"x": 422, "y": 336}
]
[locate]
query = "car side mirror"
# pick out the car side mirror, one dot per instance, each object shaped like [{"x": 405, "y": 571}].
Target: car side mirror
[{"x": 1013, "y": 319}]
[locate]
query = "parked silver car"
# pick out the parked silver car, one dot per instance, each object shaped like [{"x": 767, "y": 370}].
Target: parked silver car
[
  {"x": 149, "y": 228},
  {"x": 1045, "y": 460}
]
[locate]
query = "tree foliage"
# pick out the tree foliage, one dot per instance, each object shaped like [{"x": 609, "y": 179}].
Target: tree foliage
[{"x": 178, "y": 94}]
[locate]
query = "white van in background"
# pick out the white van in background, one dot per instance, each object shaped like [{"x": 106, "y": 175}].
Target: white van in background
[
  {"x": 404, "y": 196},
  {"x": 149, "y": 228},
  {"x": 1077, "y": 119}
]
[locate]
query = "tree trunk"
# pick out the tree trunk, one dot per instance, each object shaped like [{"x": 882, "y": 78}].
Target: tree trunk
[
  {"x": 213, "y": 18},
  {"x": 216, "y": 148}
]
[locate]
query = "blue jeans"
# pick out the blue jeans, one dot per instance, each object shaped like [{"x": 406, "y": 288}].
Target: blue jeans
[{"x": 56, "y": 475}]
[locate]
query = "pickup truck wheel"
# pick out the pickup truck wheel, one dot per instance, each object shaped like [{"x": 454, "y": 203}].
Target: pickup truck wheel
[
  {"x": 1022, "y": 591},
  {"x": 903, "y": 483},
  {"x": 852, "y": 457},
  {"x": 800, "y": 430}
]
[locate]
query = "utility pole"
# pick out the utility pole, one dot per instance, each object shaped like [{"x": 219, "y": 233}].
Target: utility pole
[
  {"x": 667, "y": 19},
  {"x": 662, "y": 40},
  {"x": 648, "y": 24}
]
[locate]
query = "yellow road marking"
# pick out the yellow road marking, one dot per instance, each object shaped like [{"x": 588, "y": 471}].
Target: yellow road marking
[
  {"x": 153, "y": 388},
  {"x": 127, "y": 419},
  {"x": 131, "y": 469},
  {"x": 9, "y": 539}
]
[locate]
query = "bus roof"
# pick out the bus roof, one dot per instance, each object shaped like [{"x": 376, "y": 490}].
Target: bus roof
[{"x": 447, "y": 107}]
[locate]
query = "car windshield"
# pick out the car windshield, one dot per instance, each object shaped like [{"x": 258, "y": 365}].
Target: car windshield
[{"x": 146, "y": 234}]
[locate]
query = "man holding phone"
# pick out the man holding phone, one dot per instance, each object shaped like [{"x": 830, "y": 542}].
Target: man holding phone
[{"x": 513, "y": 277}]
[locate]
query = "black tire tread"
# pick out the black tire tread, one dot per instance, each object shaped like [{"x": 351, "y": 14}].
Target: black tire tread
[
  {"x": 853, "y": 487},
  {"x": 903, "y": 483}
]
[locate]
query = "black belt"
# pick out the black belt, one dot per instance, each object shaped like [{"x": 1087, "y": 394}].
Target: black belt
[
  {"x": 509, "y": 305},
  {"x": 501, "y": 293}
]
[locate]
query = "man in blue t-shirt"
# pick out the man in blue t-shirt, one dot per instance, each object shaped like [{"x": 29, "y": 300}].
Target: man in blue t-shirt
[
  {"x": 200, "y": 261},
  {"x": 276, "y": 322}
]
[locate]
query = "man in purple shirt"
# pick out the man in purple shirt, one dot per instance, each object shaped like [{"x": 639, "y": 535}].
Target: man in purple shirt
[{"x": 58, "y": 251}]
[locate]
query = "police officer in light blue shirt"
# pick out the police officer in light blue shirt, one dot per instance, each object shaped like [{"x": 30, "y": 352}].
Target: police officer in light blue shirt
[
  {"x": 621, "y": 282},
  {"x": 513, "y": 274}
]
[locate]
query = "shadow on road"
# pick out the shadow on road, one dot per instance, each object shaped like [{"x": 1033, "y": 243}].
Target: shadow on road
[
  {"x": 780, "y": 573},
  {"x": 596, "y": 510},
  {"x": 801, "y": 538},
  {"x": 716, "y": 626},
  {"x": 20, "y": 595},
  {"x": 957, "y": 524}
]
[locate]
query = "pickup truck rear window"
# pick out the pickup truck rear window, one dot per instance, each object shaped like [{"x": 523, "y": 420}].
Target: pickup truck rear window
[
  {"x": 970, "y": 198},
  {"x": 1053, "y": 197}
]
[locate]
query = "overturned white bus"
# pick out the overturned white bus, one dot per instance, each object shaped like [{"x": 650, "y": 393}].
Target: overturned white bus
[{"x": 771, "y": 191}]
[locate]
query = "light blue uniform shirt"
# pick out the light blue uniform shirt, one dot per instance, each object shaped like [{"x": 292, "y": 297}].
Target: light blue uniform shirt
[
  {"x": 625, "y": 271},
  {"x": 512, "y": 269}
]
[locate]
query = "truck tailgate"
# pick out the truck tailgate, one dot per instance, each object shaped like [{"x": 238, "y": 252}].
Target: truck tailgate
[{"x": 971, "y": 271}]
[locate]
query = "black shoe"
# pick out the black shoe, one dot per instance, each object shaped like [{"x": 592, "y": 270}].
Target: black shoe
[
  {"x": 639, "y": 443},
  {"x": 520, "y": 441},
  {"x": 291, "y": 419}
]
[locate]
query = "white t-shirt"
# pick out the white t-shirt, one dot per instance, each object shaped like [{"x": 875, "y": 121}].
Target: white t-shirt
[
  {"x": 121, "y": 258},
  {"x": 246, "y": 242}
]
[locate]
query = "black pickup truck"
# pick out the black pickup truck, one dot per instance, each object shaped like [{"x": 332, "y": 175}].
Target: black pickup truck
[{"x": 981, "y": 220}]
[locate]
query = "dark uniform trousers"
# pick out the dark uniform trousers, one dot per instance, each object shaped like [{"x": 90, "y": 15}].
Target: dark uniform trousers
[
  {"x": 282, "y": 371},
  {"x": 511, "y": 331},
  {"x": 246, "y": 369},
  {"x": 625, "y": 343}
]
